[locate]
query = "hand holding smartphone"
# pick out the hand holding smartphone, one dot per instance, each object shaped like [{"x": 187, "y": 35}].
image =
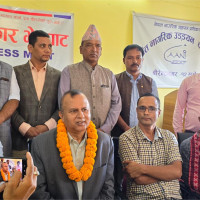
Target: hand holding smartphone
[{"x": 17, "y": 189}]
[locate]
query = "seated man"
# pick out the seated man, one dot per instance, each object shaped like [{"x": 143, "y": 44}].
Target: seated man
[
  {"x": 150, "y": 155},
  {"x": 190, "y": 186},
  {"x": 75, "y": 160}
]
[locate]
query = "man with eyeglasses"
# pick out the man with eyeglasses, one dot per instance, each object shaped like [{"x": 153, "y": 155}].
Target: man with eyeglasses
[{"x": 150, "y": 155}]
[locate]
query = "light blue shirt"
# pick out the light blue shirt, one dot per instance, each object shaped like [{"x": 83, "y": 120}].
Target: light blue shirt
[{"x": 133, "y": 121}]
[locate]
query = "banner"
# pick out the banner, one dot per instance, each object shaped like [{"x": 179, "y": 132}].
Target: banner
[
  {"x": 16, "y": 24},
  {"x": 172, "y": 48}
]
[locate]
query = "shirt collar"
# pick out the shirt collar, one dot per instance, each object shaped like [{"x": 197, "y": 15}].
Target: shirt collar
[
  {"x": 88, "y": 66},
  {"x": 71, "y": 139},
  {"x": 143, "y": 136},
  {"x": 32, "y": 66},
  {"x": 131, "y": 77}
]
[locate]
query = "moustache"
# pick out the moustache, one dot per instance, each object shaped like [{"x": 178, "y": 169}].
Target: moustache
[{"x": 134, "y": 64}]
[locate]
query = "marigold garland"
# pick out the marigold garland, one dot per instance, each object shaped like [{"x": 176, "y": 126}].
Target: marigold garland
[
  {"x": 66, "y": 156},
  {"x": 3, "y": 175}
]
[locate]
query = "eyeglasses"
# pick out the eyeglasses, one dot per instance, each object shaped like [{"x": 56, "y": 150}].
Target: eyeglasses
[{"x": 150, "y": 109}]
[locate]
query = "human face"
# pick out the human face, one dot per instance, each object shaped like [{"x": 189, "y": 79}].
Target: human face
[
  {"x": 91, "y": 51},
  {"x": 146, "y": 118},
  {"x": 75, "y": 113},
  {"x": 133, "y": 61},
  {"x": 41, "y": 51},
  {"x": 5, "y": 167}
]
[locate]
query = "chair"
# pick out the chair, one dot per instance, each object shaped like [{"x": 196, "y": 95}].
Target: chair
[
  {"x": 169, "y": 104},
  {"x": 183, "y": 136}
]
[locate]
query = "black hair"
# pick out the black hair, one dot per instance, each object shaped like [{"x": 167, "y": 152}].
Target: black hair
[
  {"x": 133, "y": 46},
  {"x": 33, "y": 36},
  {"x": 72, "y": 93},
  {"x": 150, "y": 95}
]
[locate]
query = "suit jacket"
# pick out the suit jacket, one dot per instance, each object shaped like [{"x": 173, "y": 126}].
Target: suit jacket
[
  {"x": 53, "y": 182},
  {"x": 30, "y": 109}
]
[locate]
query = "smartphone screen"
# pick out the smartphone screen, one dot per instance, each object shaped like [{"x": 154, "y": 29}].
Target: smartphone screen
[{"x": 10, "y": 165}]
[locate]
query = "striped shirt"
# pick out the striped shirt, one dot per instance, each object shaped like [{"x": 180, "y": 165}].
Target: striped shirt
[{"x": 163, "y": 150}]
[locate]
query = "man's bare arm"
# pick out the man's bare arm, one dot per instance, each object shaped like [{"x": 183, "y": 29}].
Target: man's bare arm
[
  {"x": 8, "y": 109},
  {"x": 145, "y": 180},
  {"x": 164, "y": 173},
  {"x": 122, "y": 124}
]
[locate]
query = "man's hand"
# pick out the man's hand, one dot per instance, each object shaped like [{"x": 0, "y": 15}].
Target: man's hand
[
  {"x": 17, "y": 189},
  {"x": 42, "y": 128},
  {"x": 32, "y": 132},
  {"x": 126, "y": 128},
  {"x": 2, "y": 186},
  {"x": 133, "y": 169}
]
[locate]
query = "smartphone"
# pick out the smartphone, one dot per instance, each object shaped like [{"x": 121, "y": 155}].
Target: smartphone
[{"x": 13, "y": 164}]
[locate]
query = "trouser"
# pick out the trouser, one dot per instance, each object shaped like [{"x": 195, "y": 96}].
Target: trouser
[{"x": 120, "y": 192}]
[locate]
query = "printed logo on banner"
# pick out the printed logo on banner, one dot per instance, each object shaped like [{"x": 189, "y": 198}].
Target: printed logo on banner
[
  {"x": 171, "y": 48},
  {"x": 176, "y": 54}
]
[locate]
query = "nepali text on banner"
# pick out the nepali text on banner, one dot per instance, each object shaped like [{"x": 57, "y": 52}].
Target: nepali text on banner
[
  {"x": 172, "y": 48},
  {"x": 16, "y": 24}
]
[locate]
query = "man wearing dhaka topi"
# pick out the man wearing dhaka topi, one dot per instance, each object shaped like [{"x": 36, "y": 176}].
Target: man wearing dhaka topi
[
  {"x": 75, "y": 160},
  {"x": 96, "y": 82}
]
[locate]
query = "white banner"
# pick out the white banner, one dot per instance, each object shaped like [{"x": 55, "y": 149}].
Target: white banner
[
  {"x": 16, "y": 24},
  {"x": 172, "y": 48}
]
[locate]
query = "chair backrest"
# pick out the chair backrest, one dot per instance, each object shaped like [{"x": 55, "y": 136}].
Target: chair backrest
[
  {"x": 169, "y": 104},
  {"x": 183, "y": 136}
]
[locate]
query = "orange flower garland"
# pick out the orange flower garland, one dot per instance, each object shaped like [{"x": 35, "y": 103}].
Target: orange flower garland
[
  {"x": 4, "y": 177},
  {"x": 66, "y": 156}
]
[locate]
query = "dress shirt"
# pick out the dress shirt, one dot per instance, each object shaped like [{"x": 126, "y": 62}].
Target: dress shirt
[
  {"x": 14, "y": 88},
  {"x": 163, "y": 150},
  {"x": 188, "y": 98},
  {"x": 38, "y": 79},
  {"x": 133, "y": 121},
  {"x": 78, "y": 154}
]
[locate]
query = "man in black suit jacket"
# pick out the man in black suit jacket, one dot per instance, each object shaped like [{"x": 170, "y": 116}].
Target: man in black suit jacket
[{"x": 38, "y": 82}]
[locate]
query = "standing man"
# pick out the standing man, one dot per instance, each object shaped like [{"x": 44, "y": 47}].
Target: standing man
[
  {"x": 38, "y": 82},
  {"x": 188, "y": 99},
  {"x": 150, "y": 155},
  {"x": 132, "y": 84},
  {"x": 9, "y": 101},
  {"x": 75, "y": 160},
  {"x": 96, "y": 82}
]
